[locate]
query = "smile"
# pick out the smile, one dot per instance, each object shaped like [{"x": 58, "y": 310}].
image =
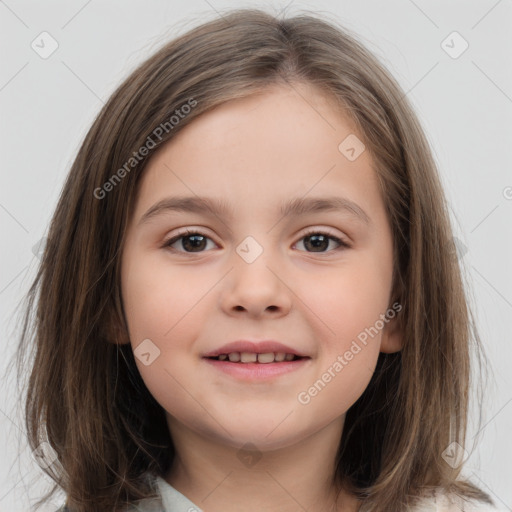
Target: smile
[
  {"x": 251, "y": 366},
  {"x": 253, "y": 357}
]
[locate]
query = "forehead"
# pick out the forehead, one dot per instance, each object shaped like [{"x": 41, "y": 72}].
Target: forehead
[
  {"x": 282, "y": 142},
  {"x": 282, "y": 116}
]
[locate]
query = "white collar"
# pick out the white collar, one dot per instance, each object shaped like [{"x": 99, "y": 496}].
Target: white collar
[{"x": 173, "y": 500}]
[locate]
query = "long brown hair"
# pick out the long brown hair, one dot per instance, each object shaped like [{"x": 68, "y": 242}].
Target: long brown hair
[{"x": 85, "y": 396}]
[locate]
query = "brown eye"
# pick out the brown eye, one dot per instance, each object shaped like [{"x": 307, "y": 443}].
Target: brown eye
[
  {"x": 190, "y": 241},
  {"x": 317, "y": 241}
]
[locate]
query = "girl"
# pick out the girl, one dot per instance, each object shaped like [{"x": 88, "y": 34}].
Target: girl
[{"x": 249, "y": 298}]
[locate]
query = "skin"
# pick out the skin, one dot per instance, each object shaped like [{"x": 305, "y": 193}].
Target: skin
[{"x": 256, "y": 153}]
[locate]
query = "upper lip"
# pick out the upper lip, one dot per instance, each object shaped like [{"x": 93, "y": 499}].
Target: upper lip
[{"x": 257, "y": 347}]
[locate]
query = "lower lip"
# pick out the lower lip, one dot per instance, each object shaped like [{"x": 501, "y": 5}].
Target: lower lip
[{"x": 258, "y": 371}]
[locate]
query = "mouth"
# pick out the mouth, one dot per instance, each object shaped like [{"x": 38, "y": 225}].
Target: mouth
[
  {"x": 252, "y": 367},
  {"x": 253, "y": 357}
]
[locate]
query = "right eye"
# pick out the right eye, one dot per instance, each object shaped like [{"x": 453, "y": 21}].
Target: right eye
[{"x": 190, "y": 241}]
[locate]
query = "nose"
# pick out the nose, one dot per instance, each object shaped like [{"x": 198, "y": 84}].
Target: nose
[{"x": 256, "y": 287}]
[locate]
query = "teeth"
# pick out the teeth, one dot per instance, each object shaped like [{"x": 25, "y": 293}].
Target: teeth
[
  {"x": 248, "y": 357},
  {"x": 266, "y": 358},
  {"x": 252, "y": 357}
]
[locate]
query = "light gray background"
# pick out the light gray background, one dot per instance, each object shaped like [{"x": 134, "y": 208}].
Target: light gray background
[{"x": 465, "y": 105}]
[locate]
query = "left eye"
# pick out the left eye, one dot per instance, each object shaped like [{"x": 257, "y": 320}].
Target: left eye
[
  {"x": 319, "y": 240},
  {"x": 193, "y": 241}
]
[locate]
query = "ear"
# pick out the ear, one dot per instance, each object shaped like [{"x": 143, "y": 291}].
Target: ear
[{"x": 392, "y": 335}]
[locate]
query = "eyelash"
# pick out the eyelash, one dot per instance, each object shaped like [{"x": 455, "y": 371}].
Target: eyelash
[{"x": 342, "y": 244}]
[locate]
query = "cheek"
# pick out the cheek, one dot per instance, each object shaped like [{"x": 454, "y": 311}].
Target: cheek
[
  {"x": 339, "y": 385},
  {"x": 161, "y": 310},
  {"x": 351, "y": 299},
  {"x": 349, "y": 306},
  {"x": 147, "y": 304},
  {"x": 157, "y": 297}
]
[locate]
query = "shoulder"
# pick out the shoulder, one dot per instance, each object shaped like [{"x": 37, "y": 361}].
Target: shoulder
[
  {"x": 145, "y": 505},
  {"x": 440, "y": 501},
  {"x": 150, "y": 504}
]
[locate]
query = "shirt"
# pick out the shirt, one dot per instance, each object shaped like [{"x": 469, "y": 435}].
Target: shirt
[{"x": 171, "y": 500}]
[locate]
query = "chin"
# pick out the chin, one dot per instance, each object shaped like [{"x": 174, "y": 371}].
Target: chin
[{"x": 265, "y": 436}]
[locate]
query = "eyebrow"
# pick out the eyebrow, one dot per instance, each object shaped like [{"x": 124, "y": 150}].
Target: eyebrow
[{"x": 220, "y": 208}]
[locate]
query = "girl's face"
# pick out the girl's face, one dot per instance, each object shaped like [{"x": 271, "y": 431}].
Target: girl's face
[{"x": 254, "y": 272}]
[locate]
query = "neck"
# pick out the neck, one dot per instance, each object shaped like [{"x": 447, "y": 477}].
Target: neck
[{"x": 218, "y": 477}]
